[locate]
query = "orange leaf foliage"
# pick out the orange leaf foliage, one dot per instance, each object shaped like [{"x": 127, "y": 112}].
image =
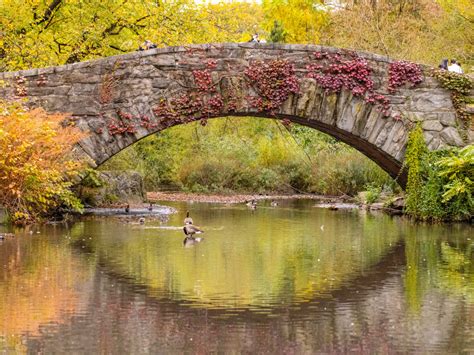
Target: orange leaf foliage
[{"x": 35, "y": 161}]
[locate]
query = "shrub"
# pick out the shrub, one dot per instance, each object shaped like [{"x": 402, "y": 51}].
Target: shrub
[
  {"x": 441, "y": 183},
  {"x": 36, "y": 166},
  {"x": 372, "y": 193}
]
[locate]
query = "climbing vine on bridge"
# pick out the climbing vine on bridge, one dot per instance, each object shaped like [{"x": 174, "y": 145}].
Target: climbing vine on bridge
[
  {"x": 203, "y": 80},
  {"x": 274, "y": 82},
  {"x": 402, "y": 72},
  {"x": 20, "y": 88},
  {"x": 127, "y": 123},
  {"x": 334, "y": 73},
  {"x": 201, "y": 101},
  {"x": 460, "y": 87}
]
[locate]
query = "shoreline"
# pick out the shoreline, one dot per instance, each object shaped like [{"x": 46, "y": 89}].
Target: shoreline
[{"x": 239, "y": 198}]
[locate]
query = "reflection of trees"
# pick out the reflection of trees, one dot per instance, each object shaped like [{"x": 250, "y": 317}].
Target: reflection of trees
[
  {"x": 259, "y": 271},
  {"x": 368, "y": 315},
  {"x": 436, "y": 263},
  {"x": 441, "y": 270},
  {"x": 38, "y": 284},
  {"x": 456, "y": 272},
  {"x": 360, "y": 297}
]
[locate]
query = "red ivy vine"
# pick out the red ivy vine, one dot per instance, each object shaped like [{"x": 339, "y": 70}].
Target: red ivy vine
[
  {"x": 20, "y": 88},
  {"x": 203, "y": 80},
  {"x": 401, "y": 72},
  {"x": 354, "y": 75},
  {"x": 127, "y": 123},
  {"x": 274, "y": 81},
  {"x": 180, "y": 109}
]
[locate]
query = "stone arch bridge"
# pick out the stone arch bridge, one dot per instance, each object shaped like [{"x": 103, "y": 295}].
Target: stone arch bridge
[{"x": 365, "y": 100}]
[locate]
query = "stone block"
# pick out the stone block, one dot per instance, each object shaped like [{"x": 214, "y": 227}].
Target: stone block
[
  {"x": 447, "y": 118},
  {"x": 84, "y": 89},
  {"x": 287, "y": 106},
  {"x": 328, "y": 106},
  {"x": 343, "y": 101},
  {"x": 395, "y": 134},
  {"x": 376, "y": 128},
  {"x": 54, "y": 103},
  {"x": 306, "y": 98},
  {"x": 74, "y": 78},
  {"x": 432, "y": 125},
  {"x": 399, "y": 146},
  {"x": 355, "y": 109},
  {"x": 162, "y": 60},
  {"x": 429, "y": 136},
  {"x": 40, "y": 91},
  {"x": 380, "y": 139},
  {"x": 429, "y": 101},
  {"x": 374, "y": 116},
  {"x": 61, "y": 90},
  {"x": 82, "y": 108},
  {"x": 434, "y": 144},
  {"x": 361, "y": 119},
  {"x": 400, "y": 156},
  {"x": 450, "y": 135}
]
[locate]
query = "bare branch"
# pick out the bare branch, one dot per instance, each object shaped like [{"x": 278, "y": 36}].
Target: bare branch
[{"x": 49, "y": 11}]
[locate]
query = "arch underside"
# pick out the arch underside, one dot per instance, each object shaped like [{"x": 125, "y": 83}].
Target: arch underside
[{"x": 381, "y": 158}]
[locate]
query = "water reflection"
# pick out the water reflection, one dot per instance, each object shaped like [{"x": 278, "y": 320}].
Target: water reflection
[
  {"x": 266, "y": 280},
  {"x": 40, "y": 282}
]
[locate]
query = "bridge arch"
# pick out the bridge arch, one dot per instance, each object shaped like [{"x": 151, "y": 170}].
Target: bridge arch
[{"x": 358, "y": 98}]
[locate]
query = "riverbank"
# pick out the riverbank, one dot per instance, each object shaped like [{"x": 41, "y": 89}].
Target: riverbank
[
  {"x": 239, "y": 198},
  {"x": 321, "y": 201}
]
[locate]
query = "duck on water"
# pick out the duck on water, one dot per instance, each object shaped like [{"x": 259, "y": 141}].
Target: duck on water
[{"x": 190, "y": 230}]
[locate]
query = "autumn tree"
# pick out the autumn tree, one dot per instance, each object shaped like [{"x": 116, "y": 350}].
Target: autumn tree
[
  {"x": 41, "y": 33},
  {"x": 36, "y": 164},
  {"x": 301, "y": 19},
  {"x": 417, "y": 30}
]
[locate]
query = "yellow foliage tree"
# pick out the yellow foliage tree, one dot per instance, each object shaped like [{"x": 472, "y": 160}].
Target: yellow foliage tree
[
  {"x": 36, "y": 164},
  {"x": 38, "y": 33},
  {"x": 417, "y": 30},
  {"x": 302, "y": 20}
]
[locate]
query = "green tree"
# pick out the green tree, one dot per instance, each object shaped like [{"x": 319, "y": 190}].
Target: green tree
[
  {"x": 301, "y": 19},
  {"x": 277, "y": 34}
]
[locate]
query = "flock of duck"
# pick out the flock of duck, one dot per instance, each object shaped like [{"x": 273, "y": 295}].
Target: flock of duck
[{"x": 253, "y": 204}]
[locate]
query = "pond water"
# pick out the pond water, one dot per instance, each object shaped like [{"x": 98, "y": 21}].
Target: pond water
[{"x": 285, "y": 279}]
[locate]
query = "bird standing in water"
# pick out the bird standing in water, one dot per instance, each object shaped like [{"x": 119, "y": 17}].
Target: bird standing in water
[
  {"x": 252, "y": 204},
  {"x": 188, "y": 220},
  {"x": 191, "y": 229},
  {"x": 127, "y": 208}
]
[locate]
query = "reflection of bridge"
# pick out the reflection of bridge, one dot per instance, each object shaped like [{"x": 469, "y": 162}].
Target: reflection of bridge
[
  {"x": 367, "y": 315},
  {"x": 122, "y": 99}
]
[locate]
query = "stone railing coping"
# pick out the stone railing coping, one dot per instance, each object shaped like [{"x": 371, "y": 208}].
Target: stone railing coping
[{"x": 177, "y": 49}]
